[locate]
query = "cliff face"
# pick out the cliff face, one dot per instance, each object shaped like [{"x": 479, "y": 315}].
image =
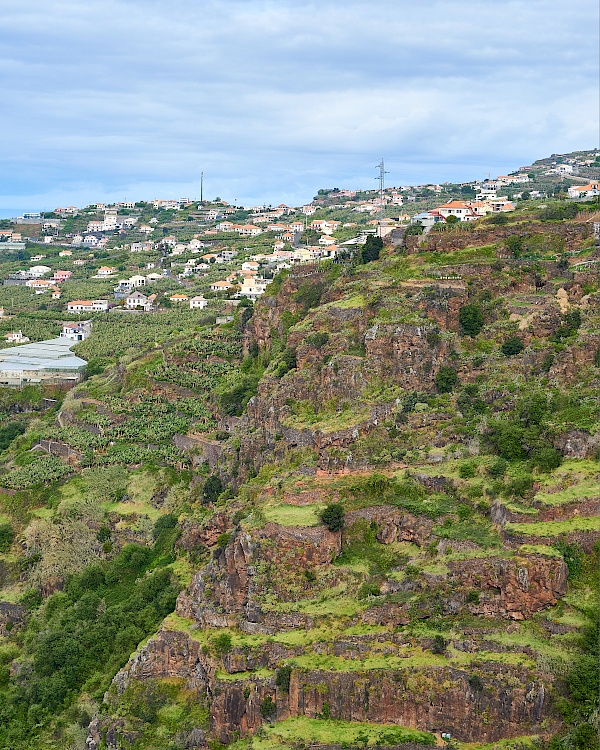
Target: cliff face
[
  {"x": 425, "y": 610},
  {"x": 256, "y": 585}
]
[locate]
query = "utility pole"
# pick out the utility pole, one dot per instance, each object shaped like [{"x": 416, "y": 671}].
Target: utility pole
[
  {"x": 381, "y": 178},
  {"x": 201, "y": 187}
]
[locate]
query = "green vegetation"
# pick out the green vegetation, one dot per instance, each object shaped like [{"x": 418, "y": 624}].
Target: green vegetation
[
  {"x": 471, "y": 319},
  {"x": 333, "y": 517},
  {"x": 446, "y": 379},
  {"x": 371, "y": 249},
  {"x": 346, "y": 732},
  {"x": 80, "y": 637},
  {"x": 512, "y": 346}
]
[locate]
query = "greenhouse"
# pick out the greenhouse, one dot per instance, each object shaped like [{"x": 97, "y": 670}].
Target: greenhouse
[{"x": 42, "y": 362}]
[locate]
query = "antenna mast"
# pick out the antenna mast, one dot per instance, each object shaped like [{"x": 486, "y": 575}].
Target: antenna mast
[
  {"x": 201, "y": 187},
  {"x": 381, "y": 178}
]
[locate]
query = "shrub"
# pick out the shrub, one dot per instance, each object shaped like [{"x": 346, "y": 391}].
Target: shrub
[
  {"x": 268, "y": 707},
  {"x": 573, "y": 556},
  {"x": 282, "y": 678},
  {"x": 103, "y": 534},
  {"x": 439, "y": 645},
  {"x": 164, "y": 523},
  {"x": 333, "y": 516},
  {"x": 472, "y": 597},
  {"x": 514, "y": 243},
  {"x": 222, "y": 644},
  {"x": 466, "y": 470},
  {"x": 470, "y": 318},
  {"x": 367, "y": 590},
  {"x": 371, "y": 249},
  {"x": 520, "y": 486},
  {"x": 223, "y": 540},
  {"x": 413, "y": 229},
  {"x": 570, "y": 324},
  {"x": 9, "y": 432},
  {"x": 7, "y": 536},
  {"x": 506, "y": 438},
  {"x": 546, "y": 458},
  {"x": 212, "y": 489},
  {"x": 286, "y": 362},
  {"x": 512, "y": 346},
  {"x": 446, "y": 379},
  {"x": 498, "y": 468},
  {"x": 317, "y": 339},
  {"x": 309, "y": 294}
]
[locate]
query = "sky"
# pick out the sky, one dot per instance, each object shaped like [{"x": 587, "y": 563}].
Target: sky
[{"x": 106, "y": 100}]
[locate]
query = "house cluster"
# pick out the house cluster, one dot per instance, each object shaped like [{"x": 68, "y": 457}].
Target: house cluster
[
  {"x": 34, "y": 279},
  {"x": 126, "y": 286},
  {"x": 170, "y": 205},
  {"x": 111, "y": 222},
  {"x": 177, "y": 247},
  {"x": 584, "y": 191},
  {"x": 196, "y": 303},
  {"x": 462, "y": 211},
  {"x": 7, "y": 235},
  {"x": 244, "y": 230}
]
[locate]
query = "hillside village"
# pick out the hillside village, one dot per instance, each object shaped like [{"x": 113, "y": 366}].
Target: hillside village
[{"x": 182, "y": 252}]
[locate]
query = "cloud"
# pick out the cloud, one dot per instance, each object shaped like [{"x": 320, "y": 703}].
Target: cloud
[{"x": 270, "y": 99}]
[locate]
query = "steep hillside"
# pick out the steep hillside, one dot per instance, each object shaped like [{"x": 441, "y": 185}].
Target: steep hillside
[{"x": 365, "y": 515}]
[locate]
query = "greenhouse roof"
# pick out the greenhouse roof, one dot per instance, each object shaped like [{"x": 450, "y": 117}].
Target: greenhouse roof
[{"x": 54, "y": 354}]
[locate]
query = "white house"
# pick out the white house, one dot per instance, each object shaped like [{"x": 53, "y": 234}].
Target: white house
[
  {"x": 79, "y": 305},
  {"x": 137, "y": 300},
  {"x": 220, "y": 286},
  {"x": 136, "y": 281},
  {"x": 584, "y": 191},
  {"x": 16, "y": 337},
  {"x": 104, "y": 271},
  {"x": 461, "y": 210},
  {"x": 76, "y": 331},
  {"x": 198, "y": 303},
  {"x": 249, "y": 230},
  {"x": 252, "y": 288},
  {"x": 38, "y": 271}
]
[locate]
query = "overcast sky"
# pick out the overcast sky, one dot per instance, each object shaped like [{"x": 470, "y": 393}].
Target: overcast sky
[{"x": 273, "y": 99}]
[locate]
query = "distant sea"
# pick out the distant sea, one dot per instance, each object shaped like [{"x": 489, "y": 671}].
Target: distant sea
[{"x": 9, "y": 213}]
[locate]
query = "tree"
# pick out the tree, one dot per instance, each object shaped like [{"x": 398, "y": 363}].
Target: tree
[
  {"x": 7, "y": 536},
  {"x": 451, "y": 219},
  {"x": 470, "y": 318},
  {"x": 446, "y": 379},
  {"x": 212, "y": 489},
  {"x": 413, "y": 229},
  {"x": 371, "y": 249},
  {"x": 333, "y": 516},
  {"x": 514, "y": 243},
  {"x": 512, "y": 346}
]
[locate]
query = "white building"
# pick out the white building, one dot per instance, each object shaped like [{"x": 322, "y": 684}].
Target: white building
[
  {"x": 88, "y": 306},
  {"x": 198, "y": 303},
  {"x": 76, "y": 331}
]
